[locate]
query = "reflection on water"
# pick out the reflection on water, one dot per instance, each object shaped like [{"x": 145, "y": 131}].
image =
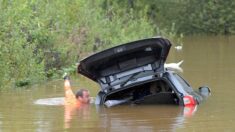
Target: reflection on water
[
  {"x": 189, "y": 111},
  {"x": 142, "y": 118},
  {"x": 0, "y": 122},
  {"x": 130, "y": 118},
  {"x": 207, "y": 61}
]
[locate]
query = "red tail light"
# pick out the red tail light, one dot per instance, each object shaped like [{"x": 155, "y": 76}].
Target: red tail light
[{"x": 189, "y": 100}]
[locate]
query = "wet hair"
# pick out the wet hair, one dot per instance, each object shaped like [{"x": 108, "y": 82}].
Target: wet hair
[{"x": 80, "y": 92}]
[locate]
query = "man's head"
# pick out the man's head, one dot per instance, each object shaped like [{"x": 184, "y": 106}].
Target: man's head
[{"x": 83, "y": 96}]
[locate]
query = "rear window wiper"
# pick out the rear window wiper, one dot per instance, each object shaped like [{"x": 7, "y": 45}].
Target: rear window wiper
[{"x": 130, "y": 78}]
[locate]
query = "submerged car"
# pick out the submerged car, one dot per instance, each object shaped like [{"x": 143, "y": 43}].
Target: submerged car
[{"x": 134, "y": 73}]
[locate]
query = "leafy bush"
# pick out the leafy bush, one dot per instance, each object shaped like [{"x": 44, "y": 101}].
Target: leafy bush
[
  {"x": 42, "y": 39},
  {"x": 189, "y": 16},
  {"x": 207, "y": 17}
]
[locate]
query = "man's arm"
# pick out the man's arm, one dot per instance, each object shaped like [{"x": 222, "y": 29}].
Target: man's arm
[{"x": 70, "y": 98}]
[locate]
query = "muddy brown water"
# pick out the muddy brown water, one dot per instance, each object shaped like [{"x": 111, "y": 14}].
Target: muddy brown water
[{"x": 208, "y": 60}]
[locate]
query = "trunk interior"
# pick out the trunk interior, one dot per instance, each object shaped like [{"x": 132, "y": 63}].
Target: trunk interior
[{"x": 156, "y": 92}]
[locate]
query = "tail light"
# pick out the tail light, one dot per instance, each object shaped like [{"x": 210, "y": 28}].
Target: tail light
[{"x": 189, "y": 100}]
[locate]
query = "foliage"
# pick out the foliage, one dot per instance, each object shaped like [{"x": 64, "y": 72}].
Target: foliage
[
  {"x": 208, "y": 17},
  {"x": 42, "y": 39},
  {"x": 189, "y": 16}
]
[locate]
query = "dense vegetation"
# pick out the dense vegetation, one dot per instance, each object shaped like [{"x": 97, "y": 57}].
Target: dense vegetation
[
  {"x": 189, "y": 16},
  {"x": 42, "y": 39}
]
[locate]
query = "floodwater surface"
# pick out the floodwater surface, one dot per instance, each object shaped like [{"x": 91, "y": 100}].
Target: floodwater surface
[{"x": 208, "y": 60}]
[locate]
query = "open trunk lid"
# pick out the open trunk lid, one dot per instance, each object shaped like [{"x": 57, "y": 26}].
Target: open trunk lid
[{"x": 147, "y": 54}]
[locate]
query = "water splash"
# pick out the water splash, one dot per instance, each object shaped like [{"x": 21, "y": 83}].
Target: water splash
[{"x": 50, "y": 101}]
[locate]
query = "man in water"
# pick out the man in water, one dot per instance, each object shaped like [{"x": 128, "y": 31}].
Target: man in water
[
  {"x": 81, "y": 98},
  {"x": 79, "y": 102}
]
